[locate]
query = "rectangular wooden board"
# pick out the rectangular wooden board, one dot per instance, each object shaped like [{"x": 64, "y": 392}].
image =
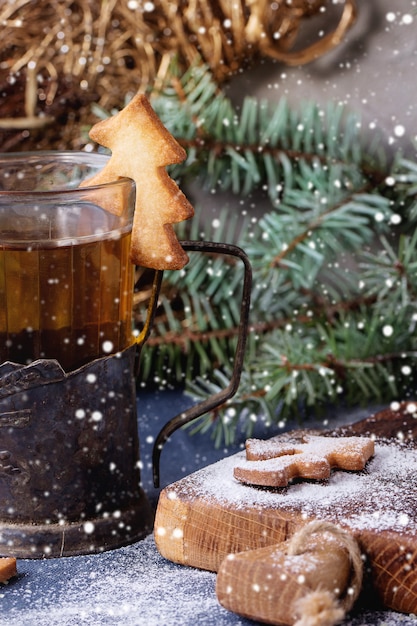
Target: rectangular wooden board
[{"x": 203, "y": 517}]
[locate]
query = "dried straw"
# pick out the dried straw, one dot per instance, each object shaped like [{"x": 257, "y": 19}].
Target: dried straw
[{"x": 59, "y": 56}]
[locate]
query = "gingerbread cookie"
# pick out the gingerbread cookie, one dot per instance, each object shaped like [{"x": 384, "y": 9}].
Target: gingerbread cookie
[
  {"x": 274, "y": 462},
  {"x": 7, "y": 569},
  {"x": 141, "y": 148}
]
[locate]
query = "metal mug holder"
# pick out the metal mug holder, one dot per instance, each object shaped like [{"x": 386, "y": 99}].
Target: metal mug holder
[{"x": 69, "y": 445}]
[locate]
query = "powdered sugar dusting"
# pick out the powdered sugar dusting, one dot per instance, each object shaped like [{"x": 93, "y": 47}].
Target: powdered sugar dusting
[
  {"x": 381, "y": 497},
  {"x": 132, "y": 586},
  {"x": 127, "y": 587}
]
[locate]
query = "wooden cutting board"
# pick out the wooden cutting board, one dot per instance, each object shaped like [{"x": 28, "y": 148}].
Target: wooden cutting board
[{"x": 207, "y": 515}]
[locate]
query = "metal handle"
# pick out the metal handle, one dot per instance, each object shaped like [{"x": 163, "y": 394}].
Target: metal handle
[
  {"x": 150, "y": 316},
  {"x": 221, "y": 397}
]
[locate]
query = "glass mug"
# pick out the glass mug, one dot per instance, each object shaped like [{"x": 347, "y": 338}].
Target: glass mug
[
  {"x": 65, "y": 275},
  {"x": 69, "y": 447}
]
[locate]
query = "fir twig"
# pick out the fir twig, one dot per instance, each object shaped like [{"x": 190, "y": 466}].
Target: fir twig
[{"x": 334, "y": 260}]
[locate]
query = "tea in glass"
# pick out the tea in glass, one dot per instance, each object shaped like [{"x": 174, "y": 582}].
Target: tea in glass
[{"x": 66, "y": 279}]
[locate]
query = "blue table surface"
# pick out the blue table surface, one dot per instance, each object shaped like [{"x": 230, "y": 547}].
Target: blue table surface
[{"x": 135, "y": 585}]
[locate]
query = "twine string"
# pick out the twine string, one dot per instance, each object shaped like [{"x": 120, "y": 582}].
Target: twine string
[{"x": 321, "y": 607}]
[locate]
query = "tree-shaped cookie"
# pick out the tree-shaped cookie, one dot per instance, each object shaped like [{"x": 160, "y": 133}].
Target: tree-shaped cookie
[
  {"x": 273, "y": 463},
  {"x": 141, "y": 148}
]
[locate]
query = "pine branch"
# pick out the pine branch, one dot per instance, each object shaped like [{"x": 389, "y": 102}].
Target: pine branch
[
  {"x": 260, "y": 145},
  {"x": 296, "y": 373},
  {"x": 196, "y": 327},
  {"x": 334, "y": 260}
]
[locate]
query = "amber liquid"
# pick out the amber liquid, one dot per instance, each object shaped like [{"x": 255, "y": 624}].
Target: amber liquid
[{"x": 72, "y": 303}]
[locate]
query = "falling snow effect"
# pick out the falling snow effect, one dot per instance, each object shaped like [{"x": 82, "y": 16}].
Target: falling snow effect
[{"x": 135, "y": 585}]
